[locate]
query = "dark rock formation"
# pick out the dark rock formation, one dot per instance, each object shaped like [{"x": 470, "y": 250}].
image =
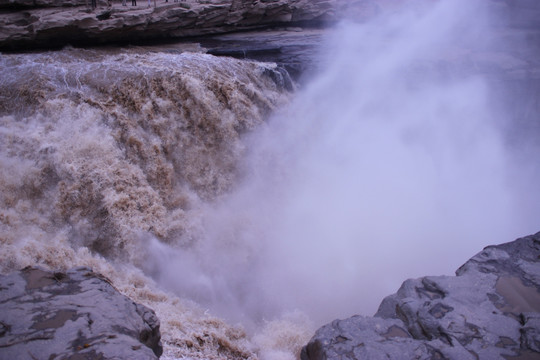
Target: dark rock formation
[
  {"x": 294, "y": 49},
  {"x": 490, "y": 310},
  {"x": 75, "y": 315}
]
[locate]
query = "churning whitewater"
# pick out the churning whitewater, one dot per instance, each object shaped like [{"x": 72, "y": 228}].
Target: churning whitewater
[
  {"x": 105, "y": 152},
  {"x": 245, "y": 214}
]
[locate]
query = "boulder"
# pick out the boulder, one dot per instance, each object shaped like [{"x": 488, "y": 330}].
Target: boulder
[
  {"x": 489, "y": 310},
  {"x": 76, "y": 314}
]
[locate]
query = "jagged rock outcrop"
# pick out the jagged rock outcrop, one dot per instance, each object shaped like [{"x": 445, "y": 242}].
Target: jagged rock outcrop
[
  {"x": 45, "y": 23},
  {"x": 490, "y": 310},
  {"x": 77, "y": 315}
]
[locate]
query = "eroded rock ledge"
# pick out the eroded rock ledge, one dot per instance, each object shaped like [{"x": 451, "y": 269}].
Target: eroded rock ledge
[
  {"x": 490, "y": 310},
  {"x": 46, "y": 23},
  {"x": 77, "y": 315}
]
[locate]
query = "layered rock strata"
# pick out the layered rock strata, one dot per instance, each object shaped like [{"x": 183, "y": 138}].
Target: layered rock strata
[
  {"x": 46, "y": 23},
  {"x": 490, "y": 310},
  {"x": 77, "y": 315}
]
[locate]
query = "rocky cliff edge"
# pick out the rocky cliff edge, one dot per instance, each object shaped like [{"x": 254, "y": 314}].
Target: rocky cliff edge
[
  {"x": 490, "y": 310},
  {"x": 46, "y": 23}
]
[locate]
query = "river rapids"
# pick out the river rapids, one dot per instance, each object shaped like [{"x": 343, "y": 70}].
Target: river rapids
[{"x": 247, "y": 211}]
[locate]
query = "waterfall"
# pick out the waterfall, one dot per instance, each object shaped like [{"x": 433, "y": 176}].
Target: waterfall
[{"x": 207, "y": 190}]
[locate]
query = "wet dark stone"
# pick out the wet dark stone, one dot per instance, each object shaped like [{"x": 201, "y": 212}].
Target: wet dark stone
[{"x": 72, "y": 315}]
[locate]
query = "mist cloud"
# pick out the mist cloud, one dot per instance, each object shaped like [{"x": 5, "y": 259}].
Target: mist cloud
[{"x": 389, "y": 164}]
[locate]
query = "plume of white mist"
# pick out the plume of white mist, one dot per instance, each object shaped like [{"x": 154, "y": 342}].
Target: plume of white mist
[{"x": 385, "y": 167}]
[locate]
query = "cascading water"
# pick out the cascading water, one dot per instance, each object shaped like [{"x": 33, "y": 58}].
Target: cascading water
[
  {"x": 104, "y": 150},
  {"x": 160, "y": 171}
]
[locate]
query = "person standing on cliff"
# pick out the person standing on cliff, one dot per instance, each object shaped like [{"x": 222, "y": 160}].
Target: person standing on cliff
[{"x": 133, "y": 2}]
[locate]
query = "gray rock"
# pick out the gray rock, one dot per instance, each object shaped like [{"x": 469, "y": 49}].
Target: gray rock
[
  {"x": 75, "y": 315},
  {"x": 47, "y": 23},
  {"x": 490, "y": 310}
]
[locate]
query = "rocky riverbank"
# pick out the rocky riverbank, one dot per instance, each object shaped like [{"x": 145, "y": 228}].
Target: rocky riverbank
[
  {"x": 490, "y": 310},
  {"x": 48, "y": 23}
]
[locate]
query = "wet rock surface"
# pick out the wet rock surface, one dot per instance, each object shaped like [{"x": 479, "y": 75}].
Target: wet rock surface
[
  {"x": 490, "y": 310},
  {"x": 77, "y": 315}
]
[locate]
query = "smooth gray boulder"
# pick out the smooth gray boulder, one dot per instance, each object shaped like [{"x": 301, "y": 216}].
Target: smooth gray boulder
[
  {"x": 73, "y": 315},
  {"x": 490, "y": 310}
]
